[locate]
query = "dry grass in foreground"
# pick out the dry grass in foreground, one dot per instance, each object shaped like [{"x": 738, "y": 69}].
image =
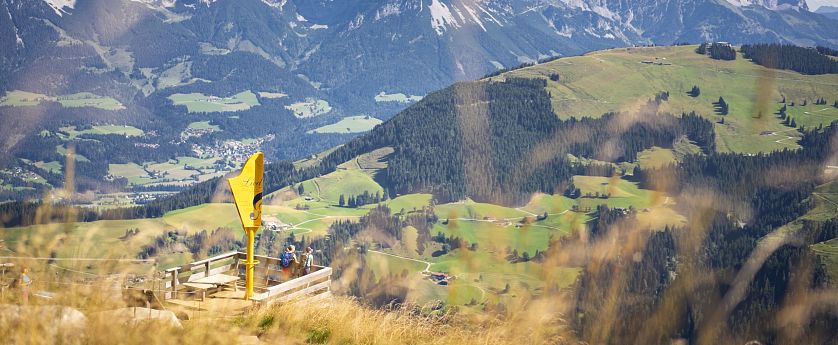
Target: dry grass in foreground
[
  {"x": 342, "y": 320},
  {"x": 339, "y": 320}
]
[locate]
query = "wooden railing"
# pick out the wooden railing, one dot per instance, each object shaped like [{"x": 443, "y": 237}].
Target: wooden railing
[
  {"x": 175, "y": 276},
  {"x": 270, "y": 284},
  {"x": 317, "y": 284}
]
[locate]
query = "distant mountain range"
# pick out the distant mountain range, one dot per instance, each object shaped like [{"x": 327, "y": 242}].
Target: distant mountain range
[
  {"x": 350, "y": 51},
  {"x": 163, "y": 65},
  {"x": 828, "y": 11}
]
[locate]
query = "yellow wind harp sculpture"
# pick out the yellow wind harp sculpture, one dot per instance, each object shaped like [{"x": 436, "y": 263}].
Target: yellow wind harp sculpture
[{"x": 247, "y": 193}]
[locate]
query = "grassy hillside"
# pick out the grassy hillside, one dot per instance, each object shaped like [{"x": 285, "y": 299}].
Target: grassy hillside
[
  {"x": 618, "y": 80},
  {"x": 492, "y": 254}
]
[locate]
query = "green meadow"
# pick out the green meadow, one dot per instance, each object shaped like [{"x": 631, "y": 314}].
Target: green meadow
[
  {"x": 70, "y": 132},
  {"x": 311, "y": 107},
  {"x": 18, "y": 98},
  {"x": 201, "y": 103},
  {"x": 272, "y": 95},
  {"x": 396, "y": 97},
  {"x": 587, "y": 87},
  {"x": 178, "y": 171},
  {"x": 655, "y": 157},
  {"x": 203, "y": 125},
  {"x": 351, "y": 124}
]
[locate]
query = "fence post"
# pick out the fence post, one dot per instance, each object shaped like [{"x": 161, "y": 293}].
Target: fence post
[{"x": 174, "y": 283}]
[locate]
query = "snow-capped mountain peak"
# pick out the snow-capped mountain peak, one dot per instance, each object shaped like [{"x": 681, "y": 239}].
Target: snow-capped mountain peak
[
  {"x": 773, "y": 4},
  {"x": 59, "y": 6}
]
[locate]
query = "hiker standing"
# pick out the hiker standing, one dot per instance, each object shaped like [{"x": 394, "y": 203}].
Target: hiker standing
[
  {"x": 25, "y": 281},
  {"x": 307, "y": 259},
  {"x": 288, "y": 261}
]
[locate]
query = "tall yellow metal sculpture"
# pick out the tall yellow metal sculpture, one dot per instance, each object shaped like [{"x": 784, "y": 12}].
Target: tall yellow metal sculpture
[{"x": 247, "y": 193}]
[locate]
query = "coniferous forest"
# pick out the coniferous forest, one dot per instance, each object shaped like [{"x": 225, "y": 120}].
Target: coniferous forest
[{"x": 784, "y": 56}]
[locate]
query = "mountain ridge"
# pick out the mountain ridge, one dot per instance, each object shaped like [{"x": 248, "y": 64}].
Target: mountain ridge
[{"x": 315, "y": 62}]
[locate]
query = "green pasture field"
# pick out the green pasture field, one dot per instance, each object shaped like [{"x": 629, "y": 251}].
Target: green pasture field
[
  {"x": 475, "y": 210},
  {"x": 396, "y": 97},
  {"x": 61, "y": 150},
  {"x": 18, "y": 98},
  {"x": 272, "y": 95},
  {"x": 655, "y": 157},
  {"x": 825, "y": 201},
  {"x": 311, "y": 107},
  {"x": 128, "y": 131},
  {"x": 200, "y": 103},
  {"x": 829, "y": 252},
  {"x": 87, "y": 99},
  {"x": 408, "y": 202},
  {"x": 173, "y": 170},
  {"x": 203, "y": 125},
  {"x": 347, "y": 182},
  {"x": 587, "y": 87},
  {"x": 131, "y": 171},
  {"x": 383, "y": 264},
  {"x": 351, "y": 124},
  {"x": 540, "y": 203},
  {"x": 53, "y": 166},
  {"x": 180, "y": 171},
  {"x": 811, "y": 115}
]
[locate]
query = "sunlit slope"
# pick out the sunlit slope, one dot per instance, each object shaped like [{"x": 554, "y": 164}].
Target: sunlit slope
[
  {"x": 115, "y": 239},
  {"x": 618, "y": 80}
]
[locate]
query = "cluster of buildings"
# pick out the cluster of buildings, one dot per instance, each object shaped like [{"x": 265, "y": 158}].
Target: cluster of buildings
[{"x": 232, "y": 151}]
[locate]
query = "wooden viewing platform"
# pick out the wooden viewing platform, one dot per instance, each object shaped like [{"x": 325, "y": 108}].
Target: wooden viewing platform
[{"x": 217, "y": 284}]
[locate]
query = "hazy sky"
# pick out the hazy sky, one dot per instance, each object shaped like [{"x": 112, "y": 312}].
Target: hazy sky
[{"x": 814, "y": 4}]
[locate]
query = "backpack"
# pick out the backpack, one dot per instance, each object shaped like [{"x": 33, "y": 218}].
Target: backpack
[{"x": 285, "y": 259}]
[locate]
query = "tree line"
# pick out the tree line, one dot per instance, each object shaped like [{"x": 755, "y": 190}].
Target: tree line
[
  {"x": 718, "y": 51},
  {"x": 786, "y": 56},
  {"x": 362, "y": 199}
]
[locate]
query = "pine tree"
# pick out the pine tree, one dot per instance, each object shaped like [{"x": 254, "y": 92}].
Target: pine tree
[
  {"x": 342, "y": 201},
  {"x": 723, "y": 106},
  {"x": 695, "y": 91}
]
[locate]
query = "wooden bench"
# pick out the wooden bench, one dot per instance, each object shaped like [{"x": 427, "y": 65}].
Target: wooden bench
[
  {"x": 203, "y": 287},
  {"x": 213, "y": 282}
]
